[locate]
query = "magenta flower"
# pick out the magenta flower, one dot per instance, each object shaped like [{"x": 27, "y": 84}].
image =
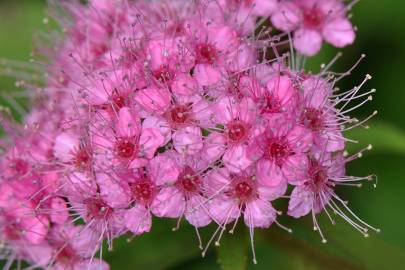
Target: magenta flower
[{"x": 313, "y": 21}]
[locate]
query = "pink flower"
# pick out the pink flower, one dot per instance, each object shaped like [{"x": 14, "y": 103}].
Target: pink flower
[{"x": 313, "y": 21}]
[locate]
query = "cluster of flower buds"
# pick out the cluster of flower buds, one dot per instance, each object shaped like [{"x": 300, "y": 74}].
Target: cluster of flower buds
[{"x": 194, "y": 110}]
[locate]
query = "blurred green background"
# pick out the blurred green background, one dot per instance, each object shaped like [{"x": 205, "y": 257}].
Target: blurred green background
[{"x": 381, "y": 37}]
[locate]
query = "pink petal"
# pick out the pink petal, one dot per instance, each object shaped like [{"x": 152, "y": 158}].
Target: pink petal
[
  {"x": 295, "y": 169},
  {"x": 128, "y": 123},
  {"x": 150, "y": 141},
  {"x": 138, "y": 220},
  {"x": 264, "y": 7},
  {"x": 65, "y": 144},
  {"x": 115, "y": 194},
  {"x": 287, "y": 17},
  {"x": 301, "y": 201},
  {"x": 206, "y": 74},
  {"x": 236, "y": 159},
  {"x": 224, "y": 210},
  {"x": 169, "y": 202},
  {"x": 163, "y": 170},
  {"x": 259, "y": 214},
  {"x": 269, "y": 173},
  {"x": 188, "y": 140},
  {"x": 214, "y": 147},
  {"x": 197, "y": 212},
  {"x": 300, "y": 139},
  {"x": 184, "y": 85},
  {"x": 339, "y": 32},
  {"x": 153, "y": 99},
  {"x": 307, "y": 42},
  {"x": 160, "y": 124},
  {"x": 61, "y": 213}
]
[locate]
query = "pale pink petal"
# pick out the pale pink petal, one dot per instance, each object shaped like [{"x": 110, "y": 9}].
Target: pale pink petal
[
  {"x": 36, "y": 228},
  {"x": 128, "y": 123},
  {"x": 153, "y": 99},
  {"x": 197, "y": 212},
  {"x": 61, "y": 213},
  {"x": 94, "y": 264},
  {"x": 259, "y": 214},
  {"x": 138, "y": 220},
  {"x": 236, "y": 159},
  {"x": 188, "y": 140},
  {"x": 224, "y": 38},
  {"x": 307, "y": 42},
  {"x": 184, "y": 85},
  {"x": 300, "y": 139},
  {"x": 150, "y": 141},
  {"x": 264, "y": 7},
  {"x": 271, "y": 193},
  {"x": 295, "y": 169},
  {"x": 301, "y": 201},
  {"x": 160, "y": 124},
  {"x": 206, "y": 74},
  {"x": 214, "y": 147},
  {"x": 169, "y": 202},
  {"x": 116, "y": 194},
  {"x": 224, "y": 210},
  {"x": 339, "y": 32},
  {"x": 65, "y": 144},
  {"x": 287, "y": 17},
  {"x": 163, "y": 170},
  {"x": 247, "y": 111},
  {"x": 269, "y": 173}
]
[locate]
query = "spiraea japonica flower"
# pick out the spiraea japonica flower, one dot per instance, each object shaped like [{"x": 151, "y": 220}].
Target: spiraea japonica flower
[{"x": 180, "y": 110}]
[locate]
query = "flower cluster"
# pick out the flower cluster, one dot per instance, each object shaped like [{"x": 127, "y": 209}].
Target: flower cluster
[{"x": 176, "y": 109}]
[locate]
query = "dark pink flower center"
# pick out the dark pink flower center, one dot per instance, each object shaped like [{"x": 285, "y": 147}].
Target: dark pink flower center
[
  {"x": 313, "y": 18},
  {"x": 271, "y": 104},
  {"x": 180, "y": 114},
  {"x": 96, "y": 208},
  {"x": 237, "y": 131},
  {"x": 244, "y": 189},
  {"x": 12, "y": 232},
  {"x": 82, "y": 159},
  {"x": 19, "y": 166},
  {"x": 126, "y": 149},
  {"x": 164, "y": 74},
  {"x": 318, "y": 176},
  {"x": 278, "y": 150},
  {"x": 118, "y": 101},
  {"x": 65, "y": 255},
  {"x": 206, "y": 53},
  {"x": 143, "y": 191},
  {"x": 189, "y": 181},
  {"x": 312, "y": 119}
]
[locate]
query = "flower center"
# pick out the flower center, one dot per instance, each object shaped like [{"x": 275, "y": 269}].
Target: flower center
[
  {"x": 270, "y": 104},
  {"x": 96, "y": 208},
  {"x": 277, "y": 149},
  {"x": 237, "y": 131},
  {"x": 318, "y": 175},
  {"x": 312, "y": 119},
  {"x": 313, "y": 18},
  {"x": 82, "y": 159},
  {"x": 163, "y": 74},
  {"x": 118, "y": 101},
  {"x": 244, "y": 190},
  {"x": 126, "y": 149},
  {"x": 189, "y": 181},
  {"x": 143, "y": 191},
  {"x": 206, "y": 53},
  {"x": 19, "y": 166},
  {"x": 180, "y": 114}
]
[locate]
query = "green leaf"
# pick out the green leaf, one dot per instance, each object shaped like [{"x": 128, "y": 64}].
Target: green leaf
[
  {"x": 232, "y": 252},
  {"x": 383, "y": 136}
]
